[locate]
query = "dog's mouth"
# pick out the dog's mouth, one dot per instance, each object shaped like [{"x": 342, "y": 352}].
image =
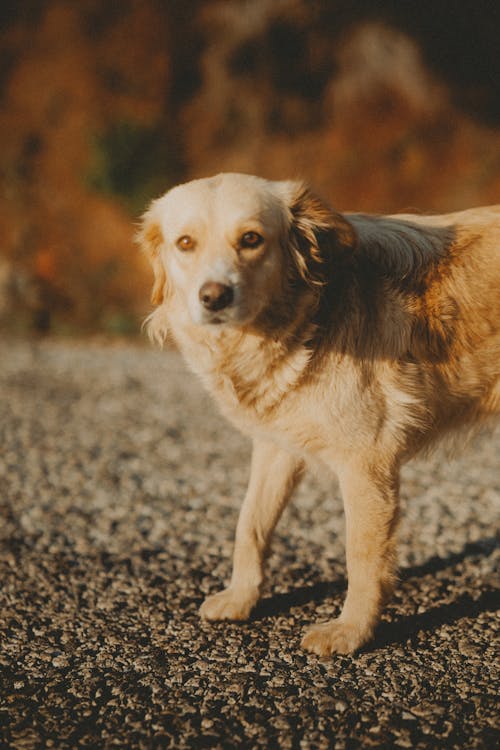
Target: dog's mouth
[
  {"x": 221, "y": 319},
  {"x": 230, "y": 317}
]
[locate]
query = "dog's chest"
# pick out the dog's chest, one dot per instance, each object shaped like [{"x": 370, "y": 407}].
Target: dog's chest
[
  {"x": 251, "y": 380},
  {"x": 322, "y": 413}
]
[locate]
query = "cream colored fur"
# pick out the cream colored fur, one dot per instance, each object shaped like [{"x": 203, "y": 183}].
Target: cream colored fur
[{"x": 352, "y": 341}]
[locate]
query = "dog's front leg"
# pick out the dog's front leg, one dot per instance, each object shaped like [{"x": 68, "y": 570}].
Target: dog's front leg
[
  {"x": 371, "y": 512},
  {"x": 274, "y": 474}
]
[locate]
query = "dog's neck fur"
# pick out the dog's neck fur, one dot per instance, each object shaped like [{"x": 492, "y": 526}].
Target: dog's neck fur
[{"x": 255, "y": 366}]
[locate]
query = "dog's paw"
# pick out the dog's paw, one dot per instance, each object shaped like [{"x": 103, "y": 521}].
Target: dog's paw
[
  {"x": 228, "y": 604},
  {"x": 334, "y": 637}
]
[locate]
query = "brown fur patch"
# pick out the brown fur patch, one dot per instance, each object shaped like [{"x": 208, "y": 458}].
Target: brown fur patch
[{"x": 319, "y": 236}]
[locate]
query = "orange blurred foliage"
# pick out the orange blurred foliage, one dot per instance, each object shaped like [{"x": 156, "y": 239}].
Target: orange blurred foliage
[{"x": 106, "y": 105}]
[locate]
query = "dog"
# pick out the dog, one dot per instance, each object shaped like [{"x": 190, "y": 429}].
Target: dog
[{"x": 349, "y": 341}]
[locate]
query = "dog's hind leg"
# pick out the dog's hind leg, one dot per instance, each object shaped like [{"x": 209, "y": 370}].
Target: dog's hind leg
[
  {"x": 371, "y": 505},
  {"x": 274, "y": 474}
]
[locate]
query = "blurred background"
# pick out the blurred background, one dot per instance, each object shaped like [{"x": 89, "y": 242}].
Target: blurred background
[{"x": 382, "y": 106}]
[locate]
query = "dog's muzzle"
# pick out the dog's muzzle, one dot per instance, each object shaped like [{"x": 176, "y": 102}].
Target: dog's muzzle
[{"x": 215, "y": 296}]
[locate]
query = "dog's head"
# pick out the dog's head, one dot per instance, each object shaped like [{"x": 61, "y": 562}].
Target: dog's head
[{"x": 232, "y": 245}]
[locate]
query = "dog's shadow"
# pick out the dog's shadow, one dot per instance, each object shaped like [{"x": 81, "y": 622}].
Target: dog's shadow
[{"x": 401, "y": 628}]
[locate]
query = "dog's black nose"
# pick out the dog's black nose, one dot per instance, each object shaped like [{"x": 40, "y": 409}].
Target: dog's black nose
[{"x": 215, "y": 296}]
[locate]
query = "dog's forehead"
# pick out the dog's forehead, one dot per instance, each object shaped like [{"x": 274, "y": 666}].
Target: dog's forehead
[
  {"x": 186, "y": 205},
  {"x": 230, "y": 199}
]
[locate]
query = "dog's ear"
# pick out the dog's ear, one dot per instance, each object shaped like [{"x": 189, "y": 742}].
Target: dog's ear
[
  {"x": 150, "y": 239},
  {"x": 320, "y": 237}
]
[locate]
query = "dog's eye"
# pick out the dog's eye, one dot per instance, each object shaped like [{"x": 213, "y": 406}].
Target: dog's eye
[
  {"x": 185, "y": 242},
  {"x": 251, "y": 240}
]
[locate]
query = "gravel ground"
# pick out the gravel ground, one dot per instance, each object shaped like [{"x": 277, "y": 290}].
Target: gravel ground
[{"x": 119, "y": 491}]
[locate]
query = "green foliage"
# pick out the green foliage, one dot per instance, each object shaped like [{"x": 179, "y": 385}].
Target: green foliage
[
  {"x": 121, "y": 324},
  {"x": 134, "y": 163}
]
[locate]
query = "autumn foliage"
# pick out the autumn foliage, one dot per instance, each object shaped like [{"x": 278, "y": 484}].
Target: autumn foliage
[{"x": 105, "y": 105}]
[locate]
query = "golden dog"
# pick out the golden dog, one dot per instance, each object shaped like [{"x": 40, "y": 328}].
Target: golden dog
[{"x": 353, "y": 341}]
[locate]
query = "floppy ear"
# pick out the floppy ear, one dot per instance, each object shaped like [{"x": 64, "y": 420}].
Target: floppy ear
[
  {"x": 320, "y": 236},
  {"x": 150, "y": 239}
]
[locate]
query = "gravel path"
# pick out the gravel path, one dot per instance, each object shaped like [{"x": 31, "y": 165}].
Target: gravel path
[{"x": 119, "y": 492}]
